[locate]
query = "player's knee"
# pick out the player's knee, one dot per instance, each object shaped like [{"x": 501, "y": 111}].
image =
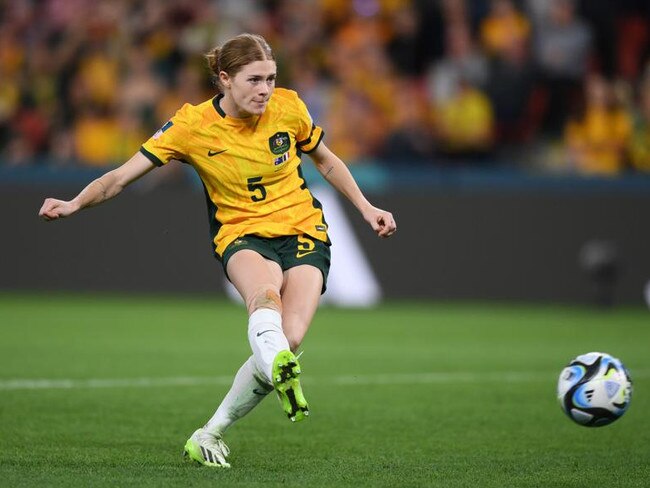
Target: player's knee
[{"x": 266, "y": 296}]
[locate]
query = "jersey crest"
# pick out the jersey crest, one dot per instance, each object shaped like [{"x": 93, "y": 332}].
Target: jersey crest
[{"x": 279, "y": 143}]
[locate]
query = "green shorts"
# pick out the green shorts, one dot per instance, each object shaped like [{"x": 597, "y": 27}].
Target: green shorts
[{"x": 288, "y": 251}]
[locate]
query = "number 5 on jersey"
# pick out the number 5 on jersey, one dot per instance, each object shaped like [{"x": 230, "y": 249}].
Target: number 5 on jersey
[{"x": 254, "y": 186}]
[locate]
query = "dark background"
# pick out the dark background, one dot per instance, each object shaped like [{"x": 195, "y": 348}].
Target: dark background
[{"x": 470, "y": 239}]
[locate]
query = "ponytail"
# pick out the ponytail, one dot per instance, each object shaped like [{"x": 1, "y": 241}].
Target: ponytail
[{"x": 213, "y": 64}]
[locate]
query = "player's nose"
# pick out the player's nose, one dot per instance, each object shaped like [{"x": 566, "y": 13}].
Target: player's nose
[{"x": 264, "y": 89}]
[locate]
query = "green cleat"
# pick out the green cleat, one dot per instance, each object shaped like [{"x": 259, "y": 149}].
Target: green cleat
[
  {"x": 207, "y": 449},
  {"x": 287, "y": 385}
]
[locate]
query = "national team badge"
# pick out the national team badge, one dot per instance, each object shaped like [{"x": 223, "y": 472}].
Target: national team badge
[{"x": 279, "y": 143}]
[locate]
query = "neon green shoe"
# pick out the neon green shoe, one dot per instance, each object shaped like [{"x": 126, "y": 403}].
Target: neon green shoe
[
  {"x": 207, "y": 449},
  {"x": 287, "y": 385}
]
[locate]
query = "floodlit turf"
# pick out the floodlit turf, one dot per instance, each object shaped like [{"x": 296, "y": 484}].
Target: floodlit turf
[{"x": 403, "y": 395}]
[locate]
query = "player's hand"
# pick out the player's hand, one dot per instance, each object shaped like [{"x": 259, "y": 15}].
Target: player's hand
[
  {"x": 381, "y": 221},
  {"x": 53, "y": 209}
]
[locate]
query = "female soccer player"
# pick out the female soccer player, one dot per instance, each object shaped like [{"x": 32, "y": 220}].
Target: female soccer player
[{"x": 268, "y": 231}]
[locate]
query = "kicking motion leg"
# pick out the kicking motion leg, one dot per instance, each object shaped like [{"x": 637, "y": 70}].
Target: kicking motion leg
[
  {"x": 300, "y": 295},
  {"x": 259, "y": 282}
]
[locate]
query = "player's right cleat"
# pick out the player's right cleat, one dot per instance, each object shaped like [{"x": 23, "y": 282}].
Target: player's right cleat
[
  {"x": 287, "y": 385},
  {"x": 207, "y": 449}
]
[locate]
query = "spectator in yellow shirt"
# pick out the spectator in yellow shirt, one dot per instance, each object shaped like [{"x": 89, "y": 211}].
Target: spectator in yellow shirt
[
  {"x": 597, "y": 139},
  {"x": 101, "y": 138},
  {"x": 465, "y": 123}
]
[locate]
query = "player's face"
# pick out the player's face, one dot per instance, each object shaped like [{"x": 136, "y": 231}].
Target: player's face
[{"x": 248, "y": 92}]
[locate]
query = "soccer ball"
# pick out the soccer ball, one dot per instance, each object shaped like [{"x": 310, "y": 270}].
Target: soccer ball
[{"x": 594, "y": 389}]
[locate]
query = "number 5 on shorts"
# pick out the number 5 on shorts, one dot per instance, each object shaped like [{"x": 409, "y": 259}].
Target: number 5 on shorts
[{"x": 305, "y": 246}]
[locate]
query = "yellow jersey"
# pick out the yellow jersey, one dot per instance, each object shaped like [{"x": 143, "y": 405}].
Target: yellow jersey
[{"x": 250, "y": 168}]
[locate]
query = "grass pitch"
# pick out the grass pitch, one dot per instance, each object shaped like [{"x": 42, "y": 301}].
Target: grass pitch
[{"x": 104, "y": 391}]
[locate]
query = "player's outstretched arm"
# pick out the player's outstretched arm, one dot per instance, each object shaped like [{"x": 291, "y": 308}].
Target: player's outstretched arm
[
  {"x": 338, "y": 175},
  {"x": 103, "y": 188}
]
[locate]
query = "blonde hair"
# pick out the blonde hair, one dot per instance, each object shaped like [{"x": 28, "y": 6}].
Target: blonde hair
[{"x": 236, "y": 53}]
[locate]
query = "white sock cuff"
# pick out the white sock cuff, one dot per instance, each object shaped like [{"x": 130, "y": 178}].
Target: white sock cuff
[{"x": 265, "y": 316}]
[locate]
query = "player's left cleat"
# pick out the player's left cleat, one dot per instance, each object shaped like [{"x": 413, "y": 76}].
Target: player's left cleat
[
  {"x": 207, "y": 449},
  {"x": 286, "y": 370}
]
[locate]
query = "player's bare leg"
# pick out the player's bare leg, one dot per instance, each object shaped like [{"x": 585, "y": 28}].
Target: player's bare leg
[
  {"x": 301, "y": 291},
  {"x": 300, "y": 295}
]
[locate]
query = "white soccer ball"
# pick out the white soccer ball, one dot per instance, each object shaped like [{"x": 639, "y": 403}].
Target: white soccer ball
[{"x": 594, "y": 389}]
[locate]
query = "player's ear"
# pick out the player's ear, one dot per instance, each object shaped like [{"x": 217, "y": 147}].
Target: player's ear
[{"x": 224, "y": 79}]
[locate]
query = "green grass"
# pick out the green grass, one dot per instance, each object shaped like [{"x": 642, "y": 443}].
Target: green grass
[{"x": 402, "y": 395}]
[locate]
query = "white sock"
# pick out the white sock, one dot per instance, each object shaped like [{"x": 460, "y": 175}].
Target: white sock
[
  {"x": 266, "y": 338},
  {"x": 246, "y": 393}
]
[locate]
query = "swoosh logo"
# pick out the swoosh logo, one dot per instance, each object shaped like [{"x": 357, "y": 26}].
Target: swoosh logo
[
  {"x": 301, "y": 254},
  {"x": 260, "y": 392},
  {"x": 263, "y": 332},
  {"x": 214, "y": 153}
]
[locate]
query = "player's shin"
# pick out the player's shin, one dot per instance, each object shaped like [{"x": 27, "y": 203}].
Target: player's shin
[{"x": 246, "y": 392}]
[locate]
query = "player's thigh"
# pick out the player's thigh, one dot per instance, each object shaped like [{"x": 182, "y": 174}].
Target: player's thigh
[
  {"x": 301, "y": 293},
  {"x": 250, "y": 272}
]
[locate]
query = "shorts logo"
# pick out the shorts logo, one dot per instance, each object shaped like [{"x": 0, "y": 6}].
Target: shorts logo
[
  {"x": 279, "y": 143},
  {"x": 302, "y": 254}
]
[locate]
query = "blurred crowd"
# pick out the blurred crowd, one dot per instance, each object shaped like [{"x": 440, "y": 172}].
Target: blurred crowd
[{"x": 562, "y": 85}]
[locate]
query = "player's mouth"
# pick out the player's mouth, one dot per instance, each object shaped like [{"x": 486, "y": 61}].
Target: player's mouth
[{"x": 259, "y": 105}]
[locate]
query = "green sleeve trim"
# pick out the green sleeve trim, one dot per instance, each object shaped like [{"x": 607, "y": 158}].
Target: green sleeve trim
[
  {"x": 151, "y": 157},
  {"x": 308, "y": 140},
  {"x": 320, "y": 138}
]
